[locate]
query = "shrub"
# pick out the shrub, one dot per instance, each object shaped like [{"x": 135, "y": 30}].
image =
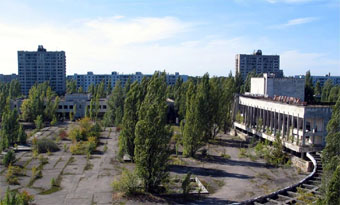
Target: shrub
[
  {"x": 76, "y": 135},
  {"x": 62, "y": 134},
  {"x": 15, "y": 197},
  {"x": 243, "y": 153},
  {"x": 186, "y": 183},
  {"x": 105, "y": 148},
  {"x": 39, "y": 124},
  {"x": 91, "y": 144},
  {"x": 78, "y": 148},
  {"x": 53, "y": 182},
  {"x": 128, "y": 183},
  {"x": 25, "y": 197},
  {"x": 44, "y": 145},
  {"x": 8, "y": 158},
  {"x": 11, "y": 176}
]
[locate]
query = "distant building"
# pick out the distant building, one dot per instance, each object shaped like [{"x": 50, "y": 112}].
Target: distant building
[
  {"x": 322, "y": 79},
  {"x": 85, "y": 80},
  {"x": 269, "y": 86},
  {"x": 40, "y": 66},
  {"x": 8, "y": 78},
  {"x": 245, "y": 63}
]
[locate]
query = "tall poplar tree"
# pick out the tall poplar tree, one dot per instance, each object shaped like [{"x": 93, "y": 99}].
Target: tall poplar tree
[
  {"x": 130, "y": 119},
  {"x": 331, "y": 157},
  {"x": 192, "y": 131},
  {"x": 153, "y": 135}
]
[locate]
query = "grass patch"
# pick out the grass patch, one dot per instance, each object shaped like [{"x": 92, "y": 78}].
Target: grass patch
[
  {"x": 59, "y": 160},
  {"x": 264, "y": 175},
  {"x": 174, "y": 160},
  {"x": 88, "y": 166},
  {"x": 52, "y": 190}
]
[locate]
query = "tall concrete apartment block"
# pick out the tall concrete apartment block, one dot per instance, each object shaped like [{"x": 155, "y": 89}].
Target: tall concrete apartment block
[
  {"x": 245, "y": 63},
  {"x": 40, "y": 66}
]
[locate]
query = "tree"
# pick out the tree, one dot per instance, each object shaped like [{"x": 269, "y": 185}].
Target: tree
[
  {"x": 226, "y": 102},
  {"x": 80, "y": 90},
  {"x": 21, "y": 136},
  {"x": 153, "y": 135},
  {"x": 9, "y": 128},
  {"x": 92, "y": 89},
  {"x": 334, "y": 94},
  {"x": 204, "y": 106},
  {"x": 326, "y": 89},
  {"x": 193, "y": 131},
  {"x": 309, "y": 90},
  {"x": 109, "y": 88},
  {"x": 333, "y": 189},
  {"x": 115, "y": 111},
  {"x": 100, "y": 90},
  {"x": 317, "y": 88},
  {"x": 246, "y": 86},
  {"x": 71, "y": 86},
  {"x": 130, "y": 119},
  {"x": 238, "y": 82},
  {"x": 331, "y": 156},
  {"x": 39, "y": 124},
  {"x": 40, "y": 102}
]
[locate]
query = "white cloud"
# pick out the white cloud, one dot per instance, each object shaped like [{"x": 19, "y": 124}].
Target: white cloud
[
  {"x": 294, "y": 22},
  {"x": 128, "y": 45}
]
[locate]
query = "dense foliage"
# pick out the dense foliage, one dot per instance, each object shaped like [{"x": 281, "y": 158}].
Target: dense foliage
[{"x": 331, "y": 159}]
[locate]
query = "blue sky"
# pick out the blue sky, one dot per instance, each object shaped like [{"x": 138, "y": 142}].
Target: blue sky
[{"x": 187, "y": 36}]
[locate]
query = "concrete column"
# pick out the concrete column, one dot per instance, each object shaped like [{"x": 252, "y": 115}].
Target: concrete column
[
  {"x": 275, "y": 122},
  {"x": 303, "y": 132},
  {"x": 287, "y": 131},
  {"x": 314, "y": 129},
  {"x": 271, "y": 121},
  {"x": 263, "y": 126},
  {"x": 298, "y": 127},
  {"x": 246, "y": 115},
  {"x": 279, "y": 126}
]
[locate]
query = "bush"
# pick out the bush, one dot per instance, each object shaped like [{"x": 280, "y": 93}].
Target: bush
[
  {"x": 44, "y": 145},
  {"x": 62, "y": 134},
  {"x": 128, "y": 183},
  {"x": 8, "y": 158},
  {"x": 243, "y": 153},
  {"x": 76, "y": 135},
  {"x": 78, "y": 148},
  {"x": 11, "y": 175},
  {"x": 39, "y": 124},
  {"x": 15, "y": 197},
  {"x": 186, "y": 184}
]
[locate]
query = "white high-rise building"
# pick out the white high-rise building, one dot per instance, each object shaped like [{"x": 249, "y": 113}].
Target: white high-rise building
[
  {"x": 259, "y": 63},
  {"x": 40, "y": 66}
]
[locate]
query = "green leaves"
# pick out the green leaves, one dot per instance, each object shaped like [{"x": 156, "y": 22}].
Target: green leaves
[{"x": 152, "y": 135}]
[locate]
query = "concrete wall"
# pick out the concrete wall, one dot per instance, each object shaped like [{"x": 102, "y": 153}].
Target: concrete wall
[
  {"x": 257, "y": 86},
  {"x": 269, "y": 86},
  {"x": 288, "y": 87},
  {"x": 304, "y": 165}
]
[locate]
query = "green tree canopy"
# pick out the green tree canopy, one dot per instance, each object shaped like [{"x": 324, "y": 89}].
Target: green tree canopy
[{"x": 153, "y": 135}]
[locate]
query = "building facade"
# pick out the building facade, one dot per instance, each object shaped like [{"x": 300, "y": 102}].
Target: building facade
[
  {"x": 322, "y": 79},
  {"x": 301, "y": 127},
  {"x": 40, "y": 66},
  {"x": 245, "y": 63},
  {"x": 8, "y": 78},
  {"x": 270, "y": 86},
  {"x": 85, "y": 80}
]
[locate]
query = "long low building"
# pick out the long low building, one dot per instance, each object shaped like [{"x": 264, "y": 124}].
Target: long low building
[{"x": 301, "y": 127}]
